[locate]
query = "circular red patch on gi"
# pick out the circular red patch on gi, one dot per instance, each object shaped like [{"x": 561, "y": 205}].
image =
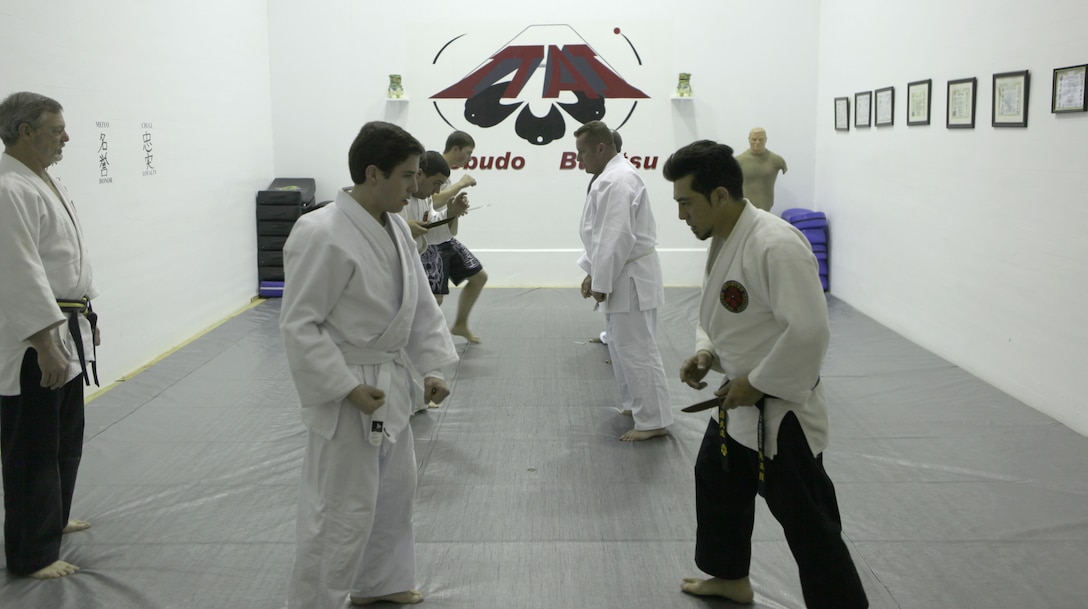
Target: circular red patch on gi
[{"x": 734, "y": 297}]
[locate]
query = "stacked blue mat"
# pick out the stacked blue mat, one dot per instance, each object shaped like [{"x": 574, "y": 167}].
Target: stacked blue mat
[{"x": 813, "y": 224}]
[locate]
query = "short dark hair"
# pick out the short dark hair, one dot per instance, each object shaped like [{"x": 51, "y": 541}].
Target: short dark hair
[
  {"x": 710, "y": 164},
  {"x": 433, "y": 163},
  {"x": 23, "y": 107},
  {"x": 617, "y": 140},
  {"x": 383, "y": 145},
  {"x": 459, "y": 139},
  {"x": 596, "y": 132}
]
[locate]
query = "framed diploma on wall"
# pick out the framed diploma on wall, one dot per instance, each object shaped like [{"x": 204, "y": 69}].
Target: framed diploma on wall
[
  {"x": 960, "y": 111},
  {"x": 1010, "y": 99},
  {"x": 884, "y": 115},
  {"x": 1067, "y": 93},
  {"x": 862, "y": 113},
  {"x": 842, "y": 114},
  {"x": 918, "y": 96}
]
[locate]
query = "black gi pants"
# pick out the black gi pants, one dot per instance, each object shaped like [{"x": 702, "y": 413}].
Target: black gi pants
[
  {"x": 800, "y": 496},
  {"x": 41, "y": 443}
]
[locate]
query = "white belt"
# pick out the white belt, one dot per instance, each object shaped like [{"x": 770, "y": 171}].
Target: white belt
[{"x": 386, "y": 361}]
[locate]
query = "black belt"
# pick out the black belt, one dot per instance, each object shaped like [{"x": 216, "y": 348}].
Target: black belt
[
  {"x": 73, "y": 309},
  {"x": 723, "y": 421}
]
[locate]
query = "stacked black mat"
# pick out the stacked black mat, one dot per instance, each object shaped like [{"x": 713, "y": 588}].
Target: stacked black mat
[{"x": 278, "y": 207}]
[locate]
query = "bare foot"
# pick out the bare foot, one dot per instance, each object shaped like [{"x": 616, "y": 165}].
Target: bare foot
[
  {"x": 55, "y": 570},
  {"x": 635, "y": 435},
  {"x": 410, "y": 597},
  {"x": 76, "y": 525},
  {"x": 464, "y": 332},
  {"x": 736, "y": 590}
]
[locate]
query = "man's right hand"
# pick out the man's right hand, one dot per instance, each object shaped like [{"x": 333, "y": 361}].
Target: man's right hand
[
  {"x": 458, "y": 206},
  {"x": 54, "y": 366},
  {"x": 587, "y": 287},
  {"x": 52, "y": 360},
  {"x": 695, "y": 368},
  {"x": 466, "y": 181},
  {"x": 366, "y": 398}
]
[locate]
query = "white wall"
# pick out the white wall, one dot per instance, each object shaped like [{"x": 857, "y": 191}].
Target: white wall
[
  {"x": 173, "y": 252},
  {"x": 331, "y": 60},
  {"x": 970, "y": 242}
]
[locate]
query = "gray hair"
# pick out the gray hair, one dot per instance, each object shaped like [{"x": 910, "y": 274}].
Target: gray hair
[{"x": 23, "y": 107}]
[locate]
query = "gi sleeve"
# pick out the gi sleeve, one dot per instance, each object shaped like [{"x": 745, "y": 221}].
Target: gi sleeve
[
  {"x": 317, "y": 273},
  {"x": 26, "y": 298},
  {"x": 613, "y": 234},
  {"x": 790, "y": 278},
  {"x": 430, "y": 346},
  {"x": 703, "y": 343}
]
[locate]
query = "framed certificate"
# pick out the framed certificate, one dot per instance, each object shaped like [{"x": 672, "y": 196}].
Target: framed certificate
[
  {"x": 1010, "y": 99},
  {"x": 884, "y": 114},
  {"x": 1067, "y": 94},
  {"x": 918, "y": 96},
  {"x": 862, "y": 113},
  {"x": 842, "y": 114},
  {"x": 960, "y": 112}
]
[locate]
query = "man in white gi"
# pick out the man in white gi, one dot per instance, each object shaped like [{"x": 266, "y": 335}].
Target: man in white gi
[
  {"x": 47, "y": 338},
  {"x": 763, "y": 323},
  {"x": 760, "y": 167},
  {"x": 623, "y": 275},
  {"x": 357, "y": 312},
  {"x": 434, "y": 175}
]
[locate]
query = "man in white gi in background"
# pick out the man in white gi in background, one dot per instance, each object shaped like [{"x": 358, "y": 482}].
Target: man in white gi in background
[
  {"x": 356, "y": 311},
  {"x": 763, "y": 323},
  {"x": 617, "y": 140},
  {"x": 623, "y": 274},
  {"x": 46, "y": 338},
  {"x": 434, "y": 174}
]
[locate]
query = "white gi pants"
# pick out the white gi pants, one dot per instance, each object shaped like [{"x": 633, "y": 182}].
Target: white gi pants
[
  {"x": 354, "y": 532},
  {"x": 636, "y": 362}
]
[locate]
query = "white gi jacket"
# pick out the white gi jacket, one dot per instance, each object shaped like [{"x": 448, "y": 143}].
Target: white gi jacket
[
  {"x": 43, "y": 258},
  {"x": 423, "y": 211},
  {"x": 764, "y": 314},
  {"x": 619, "y": 235},
  {"x": 356, "y": 310}
]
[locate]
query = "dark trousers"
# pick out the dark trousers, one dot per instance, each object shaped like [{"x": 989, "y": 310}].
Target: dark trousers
[
  {"x": 800, "y": 496},
  {"x": 41, "y": 442}
]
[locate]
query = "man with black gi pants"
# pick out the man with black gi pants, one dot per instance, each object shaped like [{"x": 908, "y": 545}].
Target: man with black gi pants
[
  {"x": 47, "y": 338},
  {"x": 762, "y": 323}
]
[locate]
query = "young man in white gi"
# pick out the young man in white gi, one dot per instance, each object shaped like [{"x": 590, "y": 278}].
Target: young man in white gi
[
  {"x": 420, "y": 211},
  {"x": 763, "y": 323},
  {"x": 47, "y": 338},
  {"x": 357, "y": 311},
  {"x": 434, "y": 174},
  {"x": 458, "y": 263},
  {"x": 623, "y": 274}
]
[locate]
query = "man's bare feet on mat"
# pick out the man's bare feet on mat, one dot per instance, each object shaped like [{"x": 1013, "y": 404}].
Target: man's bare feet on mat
[
  {"x": 465, "y": 333},
  {"x": 55, "y": 570},
  {"x": 76, "y": 525},
  {"x": 736, "y": 590},
  {"x": 636, "y": 435}
]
